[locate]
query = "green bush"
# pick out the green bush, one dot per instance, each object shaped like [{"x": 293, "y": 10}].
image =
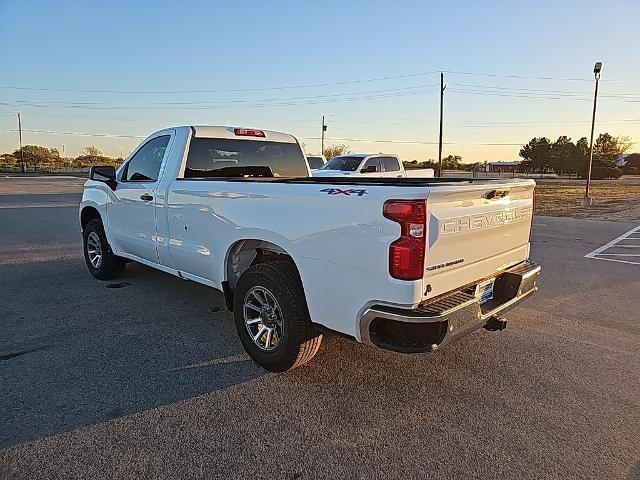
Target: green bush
[{"x": 601, "y": 173}]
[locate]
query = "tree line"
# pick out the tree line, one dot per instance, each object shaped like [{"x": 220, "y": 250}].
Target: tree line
[
  {"x": 564, "y": 156},
  {"x": 539, "y": 155},
  {"x": 35, "y": 156},
  {"x": 450, "y": 162},
  {"x": 542, "y": 155}
]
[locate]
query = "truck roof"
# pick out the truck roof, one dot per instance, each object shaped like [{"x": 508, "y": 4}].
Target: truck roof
[
  {"x": 210, "y": 131},
  {"x": 363, "y": 155}
]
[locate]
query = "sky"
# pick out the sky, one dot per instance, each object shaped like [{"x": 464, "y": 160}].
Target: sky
[{"x": 117, "y": 71}]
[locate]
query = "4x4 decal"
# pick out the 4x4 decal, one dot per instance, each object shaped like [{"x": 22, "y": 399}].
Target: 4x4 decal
[{"x": 350, "y": 191}]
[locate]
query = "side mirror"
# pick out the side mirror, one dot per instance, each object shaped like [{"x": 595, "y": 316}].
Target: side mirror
[
  {"x": 105, "y": 173},
  {"x": 369, "y": 169}
]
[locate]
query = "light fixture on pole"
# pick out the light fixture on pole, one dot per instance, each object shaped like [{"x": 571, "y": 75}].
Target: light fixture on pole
[{"x": 597, "y": 69}]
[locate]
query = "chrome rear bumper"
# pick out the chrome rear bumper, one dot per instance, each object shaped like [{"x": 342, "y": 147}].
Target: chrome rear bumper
[{"x": 448, "y": 317}]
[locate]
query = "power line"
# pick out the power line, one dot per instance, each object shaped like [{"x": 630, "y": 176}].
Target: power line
[
  {"x": 537, "y": 90},
  {"x": 106, "y": 135},
  {"x": 373, "y": 120},
  {"x": 539, "y": 97},
  {"x": 408, "y": 142},
  {"x": 259, "y": 89},
  {"x": 323, "y": 99},
  {"x": 210, "y": 105},
  {"x": 529, "y": 77},
  {"x": 405, "y": 120},
  {"x": 411, "y": 88},
  {"x": 312, "y": 85}
]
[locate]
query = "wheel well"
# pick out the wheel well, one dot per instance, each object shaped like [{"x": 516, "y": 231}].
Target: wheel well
[
  {"x": 88, "y": 214},
  {"x": 246, "y": 253}
]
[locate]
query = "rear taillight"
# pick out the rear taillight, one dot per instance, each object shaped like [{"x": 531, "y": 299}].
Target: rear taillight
[
  {"x": 406, "y": 254},
  {"x": 248, "y": 132}
]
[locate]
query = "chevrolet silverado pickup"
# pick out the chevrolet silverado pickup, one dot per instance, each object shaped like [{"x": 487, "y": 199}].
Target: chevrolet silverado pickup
[{"x": 405, "y": 264}]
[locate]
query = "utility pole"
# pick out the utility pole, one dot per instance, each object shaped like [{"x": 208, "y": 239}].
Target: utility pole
[
  {"x": 63, "y": 145},
  {"x": 324, "y": 129},
  {"x": 442, "y": 89},
  {"x": 20, "y": 137}
]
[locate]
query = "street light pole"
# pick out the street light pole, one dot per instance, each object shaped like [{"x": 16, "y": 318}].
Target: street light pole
[
  {"x": 20, "y": 137},
  {"x": 586, "y": 201},
  {"x": 324, "y": 129},
  {"x": 442, "y": 88}
]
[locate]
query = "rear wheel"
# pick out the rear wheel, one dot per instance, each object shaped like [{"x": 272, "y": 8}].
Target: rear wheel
[
  {"x": 272, "y": 319},
  {"x": 101, "y": 261}
]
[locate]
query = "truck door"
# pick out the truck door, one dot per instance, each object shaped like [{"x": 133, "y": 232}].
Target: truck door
[{"x": 131, "y": 215}]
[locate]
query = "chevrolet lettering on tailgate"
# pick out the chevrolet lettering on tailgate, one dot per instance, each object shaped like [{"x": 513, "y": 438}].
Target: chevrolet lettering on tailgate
[{"x": 485, "y": 220}]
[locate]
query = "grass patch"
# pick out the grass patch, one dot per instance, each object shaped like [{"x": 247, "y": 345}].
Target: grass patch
[{"x": 612, "y": 199}]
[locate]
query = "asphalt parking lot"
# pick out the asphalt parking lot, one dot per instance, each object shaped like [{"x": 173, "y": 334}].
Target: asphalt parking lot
[{"x": 144, "y": 377}]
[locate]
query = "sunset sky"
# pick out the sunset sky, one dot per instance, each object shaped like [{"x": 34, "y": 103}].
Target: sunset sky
[{"x": 125, "y": 69}]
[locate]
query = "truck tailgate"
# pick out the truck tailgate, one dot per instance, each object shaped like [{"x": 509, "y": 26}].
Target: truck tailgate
[{"x": 475, "y": 231}]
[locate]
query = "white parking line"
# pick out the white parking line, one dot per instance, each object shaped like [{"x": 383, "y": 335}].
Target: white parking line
[{"x": 599, "y": 254}]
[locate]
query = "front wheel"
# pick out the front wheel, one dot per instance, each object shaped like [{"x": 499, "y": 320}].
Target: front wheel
[
  {"x": 272, "y": 319},
  {"x": 101, "y": 261}
]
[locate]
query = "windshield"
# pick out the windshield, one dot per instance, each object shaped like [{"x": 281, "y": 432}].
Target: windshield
[{"x": 346, "y": 164}]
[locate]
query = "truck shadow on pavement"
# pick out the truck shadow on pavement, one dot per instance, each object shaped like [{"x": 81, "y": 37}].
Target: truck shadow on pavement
[{"x": 75, "y": 352}]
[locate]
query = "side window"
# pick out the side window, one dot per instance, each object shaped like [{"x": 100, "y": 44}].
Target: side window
[
  {"x": 314, "y": 162},
  {"x": 144, "y": 166},
  {"x": 390, "y": 164},
  {"x": 372, "y": 162}
]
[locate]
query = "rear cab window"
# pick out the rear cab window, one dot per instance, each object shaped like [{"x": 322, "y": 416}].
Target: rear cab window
[
  {"x": 390, "y": 164},
  {"x": 224, "y": 157}
]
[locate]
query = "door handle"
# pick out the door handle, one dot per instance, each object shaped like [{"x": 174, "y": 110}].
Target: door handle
[{"x": 146, "y": 197}]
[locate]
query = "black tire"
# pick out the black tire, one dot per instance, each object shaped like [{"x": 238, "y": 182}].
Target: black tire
[
  {"x": 300, "y": 339},
  {"x": 111, "y": 266}
]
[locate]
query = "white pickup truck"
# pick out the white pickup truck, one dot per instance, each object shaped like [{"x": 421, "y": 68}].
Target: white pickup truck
[
  {"x": 403, "y": 264},
  {"x": 369, "y": 165}
]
